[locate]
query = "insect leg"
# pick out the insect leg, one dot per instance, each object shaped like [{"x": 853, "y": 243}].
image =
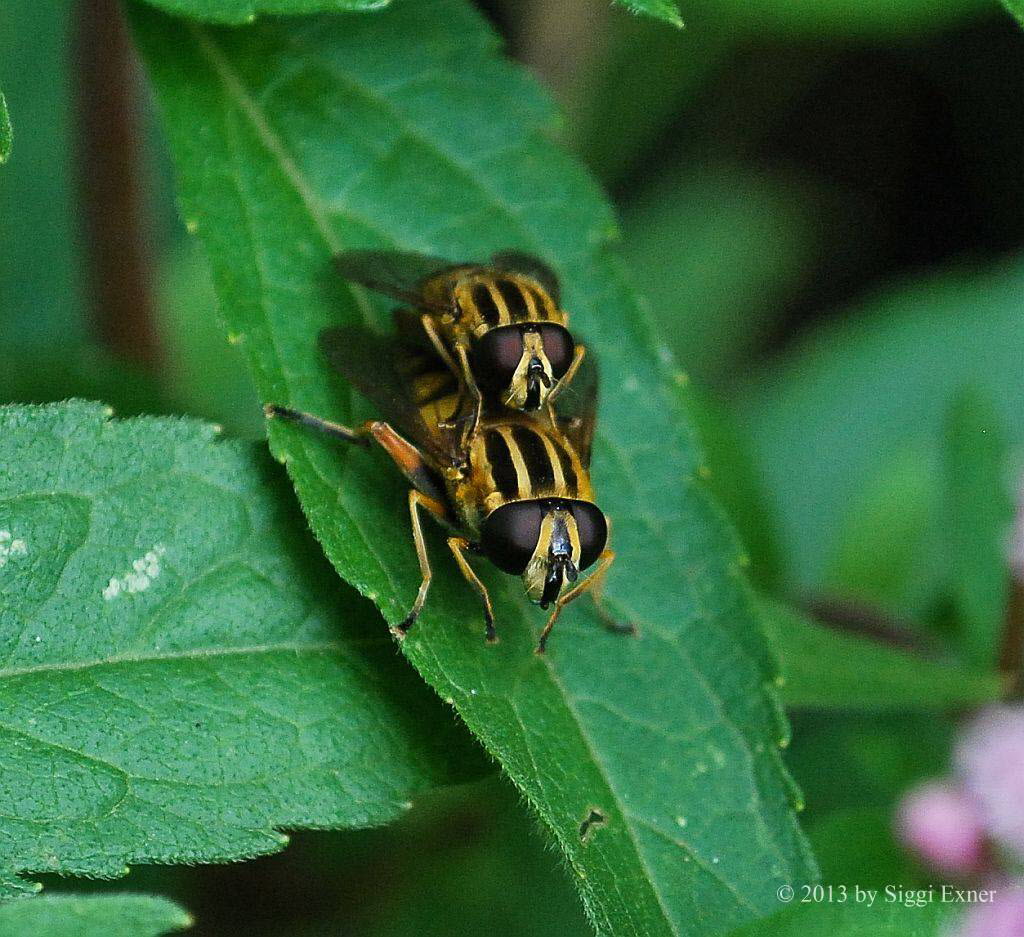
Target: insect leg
[
  {"x": 439, "y": 346},
  {"x": 594, "y": 583},
  {"x": 474, "y": 393},
  {"x": 358, "y": 435},
  {"x": 458, "y": 545},
  {"x": 419, "y": 500},
  {"x": 404, "y": 454},
  {"x": 577, "y": 360}
]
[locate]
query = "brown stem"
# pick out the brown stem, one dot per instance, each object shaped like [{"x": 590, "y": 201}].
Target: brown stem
[
  {"x": 110, "y": 163},
  {"x": 1011, "y": 656}
]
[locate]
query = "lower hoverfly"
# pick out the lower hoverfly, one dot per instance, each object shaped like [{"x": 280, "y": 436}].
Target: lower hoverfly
[
  {"x": 519, "y": 493},
  {"x": 498, "y": 326}
]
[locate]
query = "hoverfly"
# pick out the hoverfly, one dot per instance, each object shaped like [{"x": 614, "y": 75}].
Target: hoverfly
[
  {"x": 518, "y": 494},
  {"x": 498, "y": 326}
]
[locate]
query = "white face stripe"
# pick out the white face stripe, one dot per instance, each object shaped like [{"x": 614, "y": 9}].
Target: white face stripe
[
  {"x": 536, "y": 572},
  {"x": 533, "y": 347}
]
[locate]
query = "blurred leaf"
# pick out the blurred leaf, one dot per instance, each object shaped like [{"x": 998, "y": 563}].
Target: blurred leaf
[
  {"x": 733, "y": 480},
  {"x": 846, "y": 918},
  {"x": 864, "y": 759},
  {"x": 205, "y": 376},
  {"x": 887, "y": 549},
  {"x": 716, "y": 253},
  {"x": 823, "y": 420},
  {"x": 978, "y": 521},
  {"x": 293, "y": 139},
  {"x": 32, "y": 375},
  {"x": 856, "y": 846},
  {"x": 178, "y": 661},
  {"x": 40, "y": 289},
  {"x": 852, "y": 17},
  {"x": 828, "y": 669},
  {"x": 128, "y": 915},
  {"x": 665, "y": 10},
  {"x": 245, "y": 11},
  {"x": 520, "y": 888},
  {"x": 1016, "y": 7},
  {"x": 638, "y": 85},
  {"x": 5, "y": 131}
]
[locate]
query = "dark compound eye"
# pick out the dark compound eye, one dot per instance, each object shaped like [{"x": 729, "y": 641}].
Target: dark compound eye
[
  {"x": 510, "y": 534},
  {"x": 593, "y": 530},
  {"x": 558, "y": 346},
  {"x": 497, "y": 355}
]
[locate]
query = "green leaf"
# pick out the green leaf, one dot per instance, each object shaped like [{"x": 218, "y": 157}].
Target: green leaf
[
  {"x": 717, "y": 251},
  {"x": 204, "y": 375},
  {"x": 1016, "y": 8},
  {"x": 245, "y": 11},
  {"x": 733, "y": 480},
  {"x": 665, "y": 10},
  {"x": 6, "y": 134},
  {"x": 125, "y": 915},
  {"x": 879, "y": 381},
  {"x": 845, "y": 917},
  {"x": 829, "y": 669},
  {"x": 295, "y": 139},
  {"x": 644, "y": 77},
  {"x": 888, "y": 545},
  {"x": 978, "y": 521},
  {"x": 178, "y": 661},
  {"x": 857, "y": 846},
  {"x": 867, "y": 18},
  {"x": 41, "y": 289}
]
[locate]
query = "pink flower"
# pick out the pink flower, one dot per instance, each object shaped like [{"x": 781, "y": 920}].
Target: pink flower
[
  {"x": 990, "y": 760},
  {"x": 1003, "y": 917},
  {"x": 941, "y": 824}
]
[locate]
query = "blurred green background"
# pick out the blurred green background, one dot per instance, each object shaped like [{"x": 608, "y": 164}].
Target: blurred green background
[{"x": 823, "y": 202}]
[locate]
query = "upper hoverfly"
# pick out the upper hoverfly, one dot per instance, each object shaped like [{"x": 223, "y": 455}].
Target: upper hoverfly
[
  {"x": 518, "y": 493},
  {"x": 499, "y": 327}
]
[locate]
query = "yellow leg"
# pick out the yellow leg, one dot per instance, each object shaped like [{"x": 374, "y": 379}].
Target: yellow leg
[
  {"x": 458, "y": 546},
  {"x": 566, "y": 379},
  {"x": 439, "y": 345},
  {"x": 419, "y": 500},
  {"x": 474, "y": 394},
  {"x": 593, "y": 584}
]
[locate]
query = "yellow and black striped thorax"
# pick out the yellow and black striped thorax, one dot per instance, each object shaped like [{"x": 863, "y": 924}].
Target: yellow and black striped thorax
[
  {"x": 522, "y": 459},
  {"x": 483, "y": 299}
]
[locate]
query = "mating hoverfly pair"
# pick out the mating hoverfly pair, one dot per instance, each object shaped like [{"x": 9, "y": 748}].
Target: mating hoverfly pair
[{"x": 466, "y": 389}]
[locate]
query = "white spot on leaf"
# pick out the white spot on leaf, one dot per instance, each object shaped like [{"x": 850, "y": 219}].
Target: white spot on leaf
[
  {"x": 10, "y": 547},
  {"x": 144, "y": 570}
]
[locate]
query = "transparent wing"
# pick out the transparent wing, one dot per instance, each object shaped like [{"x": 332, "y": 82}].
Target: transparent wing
[
  {"x": 576, "y": 408},
  {"x": 378, "y": 367},
  {"x": 397, "y": 274},
  {"x": 520, "y": 262}
]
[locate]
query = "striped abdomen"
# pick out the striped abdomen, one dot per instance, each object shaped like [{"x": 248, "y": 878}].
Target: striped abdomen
[
  {"x": 486, "y": 300},
  {"x": 519, "y": 460}
]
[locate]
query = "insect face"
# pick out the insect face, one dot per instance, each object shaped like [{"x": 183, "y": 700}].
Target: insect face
[
  {"x": 520, "y": 364},
  {"x": 548, "y": 542}
]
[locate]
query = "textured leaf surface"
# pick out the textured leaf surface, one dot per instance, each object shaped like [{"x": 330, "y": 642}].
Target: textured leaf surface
[
  {"x": 92, "y": 916},
  {"x": 5, "y": 131},
  {"x": 296, "y": 139},
  {"x": 245, "y": 11},
  {"x": 177, "y": 663},
  {"x": 828, "y": 669}
]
